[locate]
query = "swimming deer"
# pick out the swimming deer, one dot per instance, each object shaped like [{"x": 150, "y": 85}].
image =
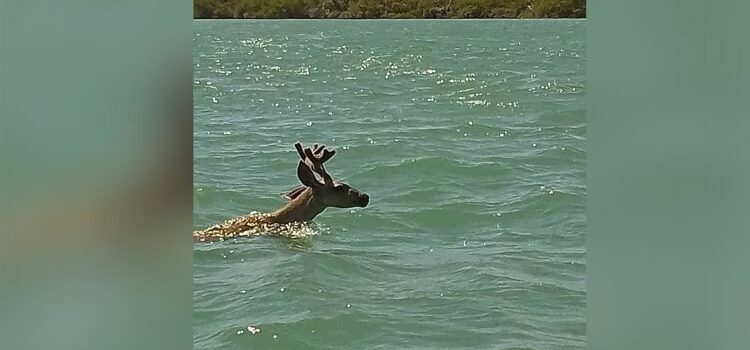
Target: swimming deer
[{"x": 319, "y": 191}]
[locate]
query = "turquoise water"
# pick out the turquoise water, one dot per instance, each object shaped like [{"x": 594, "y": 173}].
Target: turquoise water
[{"x": 469, "y": 137}]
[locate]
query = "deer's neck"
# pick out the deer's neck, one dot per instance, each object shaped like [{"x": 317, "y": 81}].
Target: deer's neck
[{"x": 303, "y": 208}]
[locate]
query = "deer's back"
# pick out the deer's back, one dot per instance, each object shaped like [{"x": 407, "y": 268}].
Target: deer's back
[{"x": 253, "y": 224}]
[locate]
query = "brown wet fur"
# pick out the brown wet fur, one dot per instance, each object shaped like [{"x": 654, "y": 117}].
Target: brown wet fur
[
  {"x": 320, "y": 191},
  {"x": 302, "y": 208}
]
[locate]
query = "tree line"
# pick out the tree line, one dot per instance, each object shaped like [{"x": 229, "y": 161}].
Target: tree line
[{"x": 389, "y": 8}]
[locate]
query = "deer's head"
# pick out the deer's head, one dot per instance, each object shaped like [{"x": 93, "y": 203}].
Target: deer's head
[{"x": 313, "y": 174}]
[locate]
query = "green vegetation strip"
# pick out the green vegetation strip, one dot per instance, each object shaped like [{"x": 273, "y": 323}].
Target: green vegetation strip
[{"x": 389, "y": 8}]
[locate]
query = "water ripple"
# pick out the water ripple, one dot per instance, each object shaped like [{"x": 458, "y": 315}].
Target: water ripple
[{"x": 469, "y": 137}]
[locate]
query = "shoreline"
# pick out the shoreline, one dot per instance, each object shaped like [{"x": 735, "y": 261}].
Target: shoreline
[
  {"x": 392, "y": 18},
  {"x": 388, "y": 9}
]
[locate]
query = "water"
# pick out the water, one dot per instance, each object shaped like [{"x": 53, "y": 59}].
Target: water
[{"x": 469, "y": 137}]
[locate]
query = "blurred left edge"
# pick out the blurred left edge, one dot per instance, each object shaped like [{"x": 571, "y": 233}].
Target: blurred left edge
[{"x": 95, "y": 175}]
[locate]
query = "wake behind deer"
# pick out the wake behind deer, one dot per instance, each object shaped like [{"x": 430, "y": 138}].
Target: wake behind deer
[{"x": 319, "y": 191}]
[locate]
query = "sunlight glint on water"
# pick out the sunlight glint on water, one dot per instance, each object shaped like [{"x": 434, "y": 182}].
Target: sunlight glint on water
[{"x": 469, "y": 137}]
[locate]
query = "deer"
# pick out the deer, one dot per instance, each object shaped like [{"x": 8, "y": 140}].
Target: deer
[{"x": 318, "y": 191}]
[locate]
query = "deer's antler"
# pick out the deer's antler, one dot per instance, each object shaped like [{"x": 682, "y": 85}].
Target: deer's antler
[{"x": 314, "y": 158}]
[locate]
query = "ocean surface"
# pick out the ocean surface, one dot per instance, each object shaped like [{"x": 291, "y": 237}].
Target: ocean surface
[{"x": 469, "y": 137}]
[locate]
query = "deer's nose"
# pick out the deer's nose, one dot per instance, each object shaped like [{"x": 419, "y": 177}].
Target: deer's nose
[{"x": 364, "y": 199}]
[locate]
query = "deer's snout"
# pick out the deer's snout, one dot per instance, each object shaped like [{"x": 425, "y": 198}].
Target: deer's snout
[{"x": 364, "y": 199}]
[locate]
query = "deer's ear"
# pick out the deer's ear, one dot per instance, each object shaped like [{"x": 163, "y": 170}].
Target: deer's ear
[
  {"x": 307, "y": 176},
  {"x": 291, "y": 195}
]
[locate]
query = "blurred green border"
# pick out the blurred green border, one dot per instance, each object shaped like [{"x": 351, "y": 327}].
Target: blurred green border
[
  {"x": 667, "y": 174},
  {"x": 95, "y": 174},
  {"x": 668, "y": 197}
]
